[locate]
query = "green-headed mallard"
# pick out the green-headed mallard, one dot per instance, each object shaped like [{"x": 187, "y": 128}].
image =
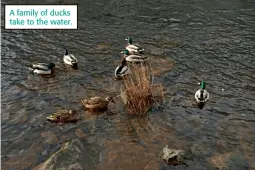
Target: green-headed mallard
[
  {"x": 122, "y": 69},
  {"x": 133, "y": 48},
  {"x": 70, "y": 59},
  {"x": 64, "y": 116},
  {"x": 134, "y": 58},
  {"x": 42, "y": 68},
  {"x": 201, "y": 95},
  {"x": 97, "y": 103}
]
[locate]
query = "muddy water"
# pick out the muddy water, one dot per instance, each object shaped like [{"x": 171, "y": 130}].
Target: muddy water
[{"x": 213, "y": 41}]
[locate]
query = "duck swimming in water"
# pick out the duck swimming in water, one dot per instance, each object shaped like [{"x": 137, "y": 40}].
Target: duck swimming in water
[
  {"x": 122, "y": 69},
  {"x": 201, "y": 95},
  {"x": 42, "y": 68},
  {"x": 64, "y": 116},
  {"x": 133, "y": 48},
  {"x": 133, "y": 58},
  {"x": 70, "y": 59},
  {"x": 97, "y": 103}
]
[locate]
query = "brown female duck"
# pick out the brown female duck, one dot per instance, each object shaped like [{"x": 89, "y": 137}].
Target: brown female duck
[
  {"x": 97, "y": 103},
  {"x": 64, "y": 116}
]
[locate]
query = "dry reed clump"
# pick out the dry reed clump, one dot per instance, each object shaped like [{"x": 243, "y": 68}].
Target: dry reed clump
[{"x": 138, "y": 91}]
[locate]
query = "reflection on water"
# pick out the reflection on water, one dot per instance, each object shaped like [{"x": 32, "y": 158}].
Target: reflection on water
[{"x": 213, "y": 41}]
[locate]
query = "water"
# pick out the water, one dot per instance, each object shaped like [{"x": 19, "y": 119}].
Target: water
[{"x": 213, "y": 41}]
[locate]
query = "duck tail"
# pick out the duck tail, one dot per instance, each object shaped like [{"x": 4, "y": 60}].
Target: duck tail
[
  {"x": 31, "y": 70},
  {"x": 74, "y": 64},
  {"x": 140, "y": 50}
]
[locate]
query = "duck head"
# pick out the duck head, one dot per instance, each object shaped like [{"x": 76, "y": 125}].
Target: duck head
[
  {"x": 129, "y": 39},
  {"x": 110, "y": 99},
  {"x": 125, "y": 52},
  {"x": 66, "y": 52},
  {"x": 51, "y": 65},
  {"x": 202, "y": 85},
  {"x": 54, "y": 118}
]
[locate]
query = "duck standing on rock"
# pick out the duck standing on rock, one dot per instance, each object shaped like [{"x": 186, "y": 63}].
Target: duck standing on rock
[
  {"x": 97, "y": 103},
  {"x": 122, "y": 69},
  {"x": 70, "y": 59},
  {"x": 201, "y": 95},
  {"x": 42, "y": 68},
  {"x": 133, "y": 48},
  {"x": 133, "y": 58}
]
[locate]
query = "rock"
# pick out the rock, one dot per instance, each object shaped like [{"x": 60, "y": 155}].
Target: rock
[
  {"x": 172, "y": 156},
  {"x": 80, "y": 134},
  {"x": 220, "y": 161},
  {"x": 71, "y": 156},
  {"x": 50, "y": 137}
]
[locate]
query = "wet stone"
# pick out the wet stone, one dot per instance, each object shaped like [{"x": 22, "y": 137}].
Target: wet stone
[
  {"x": 220, "y": 161},
  {"x": 80, "y": 134},
  {"x": 72, "y": 155},
  {"x": 50, "y": 137},
  {"x": 172, "y": 156}
]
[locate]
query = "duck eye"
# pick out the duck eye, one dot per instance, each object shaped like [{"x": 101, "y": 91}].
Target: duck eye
[{"x": 58, "y": 117}]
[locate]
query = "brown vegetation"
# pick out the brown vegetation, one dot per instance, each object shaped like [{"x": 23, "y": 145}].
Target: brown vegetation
[{"x": 138, "y": 91}]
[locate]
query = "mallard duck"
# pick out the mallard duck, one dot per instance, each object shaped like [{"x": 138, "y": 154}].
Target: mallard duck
[
  {"x": 201, "y": 95},
  {"x": 42, "y": 68},
  {"x": 69, "y": 59},
  {"x": 63, "y": 116},
  {"x": 122, "y": 69},
  {"x": 97, "y": 102},
  {"x": 133, "y": 48},
  {"x": 133, "y": 58}
]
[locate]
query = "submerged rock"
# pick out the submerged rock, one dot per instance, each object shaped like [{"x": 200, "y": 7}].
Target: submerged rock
[
  {"x": 220, "y": 161},
  {"x": 72, "y": 155},
  {"x": 172, "y": 156}
]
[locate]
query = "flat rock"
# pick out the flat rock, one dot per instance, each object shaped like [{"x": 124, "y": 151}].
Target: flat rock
[{"x": 72, "y": 155}]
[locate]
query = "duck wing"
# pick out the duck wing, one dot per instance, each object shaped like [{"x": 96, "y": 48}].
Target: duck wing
[
  {"x": 138, "y": 46},
  {"x": 197, "y": 95},
  {"x": 121, "y": 70},
  {"x": 124, "y": 70},
  {"x": 136, "y": 58},
  {"x": 132, "y": 47},
  {"x": 40, "y": 66},
  {"x": 71, "y": 58},
  {"x": 62, "y": 114},
  {"x": 118, "y": 70},
  {"x": 94, "y": 101},
  {"x": 206, "y": 96}
]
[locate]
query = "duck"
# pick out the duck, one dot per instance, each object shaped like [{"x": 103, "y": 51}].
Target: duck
[
  {"x": 70, "y": 59},
  {"x": 42, "y": 68},
  {"x": 202, "y": 95},
  {"x": 133, "y": 48},
  {"x": 133, "y": 58},
  {"x": 122, "y": 69},
  {"x": 97, "y": 103},
  {"x": 63, "y": 116}
]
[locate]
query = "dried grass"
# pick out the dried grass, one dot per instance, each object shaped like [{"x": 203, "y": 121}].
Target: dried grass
[{"x": 138, "y": 92}]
